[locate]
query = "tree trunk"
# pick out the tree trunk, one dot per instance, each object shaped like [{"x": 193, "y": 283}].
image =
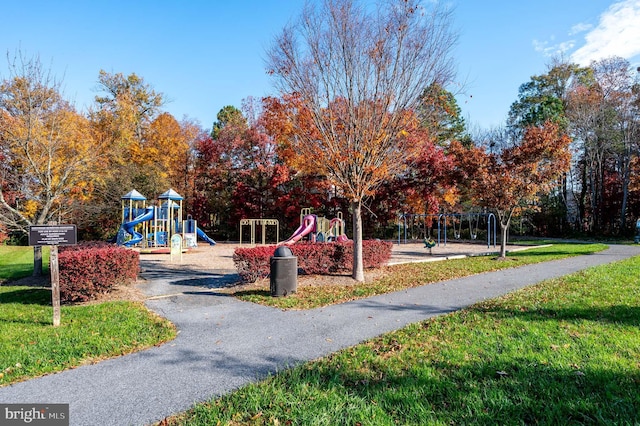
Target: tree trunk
[
  {"x": 358, "y": 264},
  {"x": 626, "y": 178},
  {"x": 504, "y": 229},
  {"x": 503, "y": 240},
  {"x": 582, "y": 203},
  {"x": 37, "y": 261}
]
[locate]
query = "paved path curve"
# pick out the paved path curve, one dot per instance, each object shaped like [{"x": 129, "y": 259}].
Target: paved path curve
[{"x": 224, "y": 343}]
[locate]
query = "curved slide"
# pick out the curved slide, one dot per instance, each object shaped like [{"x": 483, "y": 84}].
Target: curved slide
[
  {"x": 205, "y": 237},
  {"x": 136, "y": 237},
  {"x": 128, "y": 226},
  {"x": 307, "y": 226}
]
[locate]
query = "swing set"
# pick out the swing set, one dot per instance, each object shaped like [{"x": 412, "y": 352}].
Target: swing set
[{"x": 473, "y": 219}]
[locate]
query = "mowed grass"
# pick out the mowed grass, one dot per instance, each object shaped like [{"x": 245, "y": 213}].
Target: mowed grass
[
  {"x": 400, "y": 277},
  {"x": 17, "y": 262},
  {"x": 565, "y": 351},
  {"x": 29, "y": 344}
]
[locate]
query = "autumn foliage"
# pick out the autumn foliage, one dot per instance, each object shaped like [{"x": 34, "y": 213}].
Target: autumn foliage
[{"x": 516, "y": 175}]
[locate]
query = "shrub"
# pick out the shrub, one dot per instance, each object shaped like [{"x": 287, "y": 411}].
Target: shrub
[
  {"x": 313, "y": 258},
  {"x": 253, "y": 263},
  {"x": 93, "y": 268}
]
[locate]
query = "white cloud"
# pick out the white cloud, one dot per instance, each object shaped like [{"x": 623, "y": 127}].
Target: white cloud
[
  {"x": 580, "y": 28},
  {"x": 617, "y": 34},
  {"x": 555, "y": 49}
]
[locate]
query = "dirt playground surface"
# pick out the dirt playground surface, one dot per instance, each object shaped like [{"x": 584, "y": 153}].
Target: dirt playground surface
[{"x": 219, "y": 258}]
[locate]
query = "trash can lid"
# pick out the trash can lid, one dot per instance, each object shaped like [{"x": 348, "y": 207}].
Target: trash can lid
[{"x": 283, "y": 251}]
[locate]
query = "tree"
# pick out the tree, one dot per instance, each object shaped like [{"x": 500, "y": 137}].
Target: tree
[
  {"x": 166, "y": 151},
  {"x": 605, "y": 118},
  {"x": 49, "y": 155},
  {"x": 515, "y": 176},
  {"x": 127, "y": 108},
  {"x": 358, "y": 74},
  {"x": 546, "y": 98},
  {"x": 242, "y": 174},
  {"x": 121, "y": 120},
  {"x": 227, "y": 115},
  {"x": 619, "y": 89},
  {"x": 439, "y": 112}
]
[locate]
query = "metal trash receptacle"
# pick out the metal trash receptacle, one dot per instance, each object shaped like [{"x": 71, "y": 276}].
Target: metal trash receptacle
[{"x": 283, "y": 272}]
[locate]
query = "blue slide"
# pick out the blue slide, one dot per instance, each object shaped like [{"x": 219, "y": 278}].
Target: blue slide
[
  {"x": 128, "y": 226},
  {"x": 136, "y": 237},
  {"x": 205, "y": 237}
]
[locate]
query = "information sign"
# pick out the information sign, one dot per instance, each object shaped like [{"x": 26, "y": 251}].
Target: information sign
[{"x": 52, "y": 235}]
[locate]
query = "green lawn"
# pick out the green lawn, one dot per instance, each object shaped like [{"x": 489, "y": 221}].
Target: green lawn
[
  {"x": 562, "y": 352},
  {"x": 29, "y": 344},
  {"x": 400, "y": 277},
  {"x": 17, "y": 262}
]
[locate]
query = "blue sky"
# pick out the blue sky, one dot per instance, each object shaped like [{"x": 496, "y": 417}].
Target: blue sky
[{"x": 204, "y": 55}]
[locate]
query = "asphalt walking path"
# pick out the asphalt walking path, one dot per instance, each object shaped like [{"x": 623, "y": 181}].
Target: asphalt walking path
[{"x": 224, "y": 343}]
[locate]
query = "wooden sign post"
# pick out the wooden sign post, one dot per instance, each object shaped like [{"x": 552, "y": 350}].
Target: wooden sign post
[
  {"x": 55, "y": 284},
  {"x": 53, "y": 236}
]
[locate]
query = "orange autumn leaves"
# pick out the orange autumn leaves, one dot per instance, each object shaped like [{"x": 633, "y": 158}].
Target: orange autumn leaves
[{"x": 360, "y": 157}]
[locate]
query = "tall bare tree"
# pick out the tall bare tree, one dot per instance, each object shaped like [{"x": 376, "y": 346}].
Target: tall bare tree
[
  {"x": 47, "y": 148},
  {"x": 604, "y": 115},
  {"x": 357, "y": 71}
]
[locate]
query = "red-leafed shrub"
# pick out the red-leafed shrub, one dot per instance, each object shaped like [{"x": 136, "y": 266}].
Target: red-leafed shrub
[
  {"x": 313, "y": 258},
  {"x": 251, "y": 263},
  {"x": 92, "y": 268}
]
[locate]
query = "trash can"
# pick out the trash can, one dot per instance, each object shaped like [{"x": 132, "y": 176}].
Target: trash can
[{"x": 283, "y": 272}]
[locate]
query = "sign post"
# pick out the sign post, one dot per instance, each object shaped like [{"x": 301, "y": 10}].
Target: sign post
[
  {"x": 53, "y": 235},
  {"x": 55, "y": 284}
]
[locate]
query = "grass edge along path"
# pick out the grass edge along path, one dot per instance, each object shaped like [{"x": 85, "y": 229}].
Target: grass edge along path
[
  {"x": 30, "y": 346},
  {"x": 400, "y": 277},
  {"x": 564, "y": 351}
]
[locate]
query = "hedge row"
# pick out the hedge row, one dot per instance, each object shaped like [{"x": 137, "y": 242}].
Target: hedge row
[
  {"x": 313, "y": 258},
  {"x": 89, "y": 269}
]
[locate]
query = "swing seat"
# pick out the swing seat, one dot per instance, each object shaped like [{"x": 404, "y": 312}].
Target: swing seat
[{"x": 429, "y": 243}]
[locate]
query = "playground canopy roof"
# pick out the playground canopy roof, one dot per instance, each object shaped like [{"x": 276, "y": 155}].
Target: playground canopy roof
[
  {"x": 134, "y": 195},
  {"x": 170, "y": 195}
]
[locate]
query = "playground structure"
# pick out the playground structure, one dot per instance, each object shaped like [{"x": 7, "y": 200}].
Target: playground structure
[
  {"x": 456, "y": 220},
  {"x": 260, "y": 222},
  {"x": 319, "y": 229},
  {"x": 153, "y": 226}
]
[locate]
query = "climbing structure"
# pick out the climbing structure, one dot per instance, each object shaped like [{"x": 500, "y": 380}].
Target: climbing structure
[{"x": 153, "y": 226}]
